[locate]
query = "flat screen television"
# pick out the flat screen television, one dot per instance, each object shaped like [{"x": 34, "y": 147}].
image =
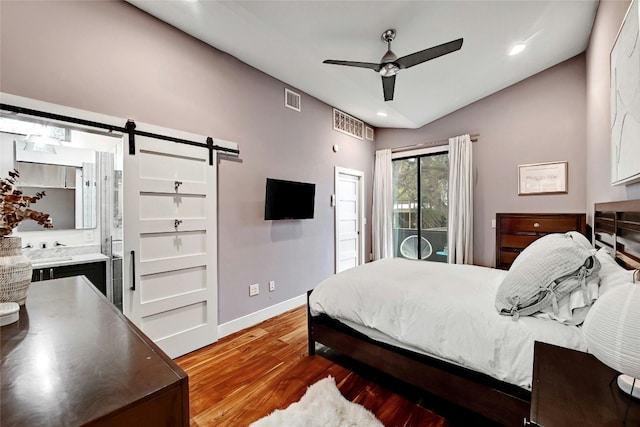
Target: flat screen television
[{"x": 289, "y": 200}]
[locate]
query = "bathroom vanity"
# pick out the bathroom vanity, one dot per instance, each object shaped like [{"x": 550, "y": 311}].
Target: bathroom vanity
[{"x": 92, "y": 266}]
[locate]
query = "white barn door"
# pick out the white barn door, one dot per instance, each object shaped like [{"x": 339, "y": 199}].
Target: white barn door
[
  {"x": 349, "y": 220},
  {"x": 170, "y": 268}
]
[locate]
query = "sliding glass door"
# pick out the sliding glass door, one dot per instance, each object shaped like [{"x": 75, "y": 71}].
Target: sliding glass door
[{"x": 420, "y": 206}]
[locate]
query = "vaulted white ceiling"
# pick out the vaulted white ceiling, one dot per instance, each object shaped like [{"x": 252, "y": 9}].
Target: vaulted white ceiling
[{"x": 289, "y": 40}]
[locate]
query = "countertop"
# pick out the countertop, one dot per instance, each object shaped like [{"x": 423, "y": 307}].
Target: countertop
[{"x": 67, "y": 260}]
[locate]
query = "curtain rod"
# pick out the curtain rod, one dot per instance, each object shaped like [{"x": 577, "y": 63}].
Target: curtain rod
[{"x": 474, "y": 138}]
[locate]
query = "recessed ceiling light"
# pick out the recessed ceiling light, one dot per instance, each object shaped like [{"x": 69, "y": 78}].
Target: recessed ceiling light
[
  {"x": 381, "y": 114},
  {"x": 517, "y": 49}
]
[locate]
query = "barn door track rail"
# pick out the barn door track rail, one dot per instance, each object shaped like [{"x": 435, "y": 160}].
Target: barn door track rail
[{"x": 129, "y": 128}]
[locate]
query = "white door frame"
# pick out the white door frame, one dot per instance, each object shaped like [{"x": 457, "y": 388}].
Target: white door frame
[{"x": 361, "y": 217}]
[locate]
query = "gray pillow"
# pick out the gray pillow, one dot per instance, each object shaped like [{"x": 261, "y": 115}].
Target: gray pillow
[
  {"x": 545, "y": 272},
  {"x": 580, "y": 239}
]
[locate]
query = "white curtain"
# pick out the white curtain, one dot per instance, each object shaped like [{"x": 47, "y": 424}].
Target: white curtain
[
  {"x": 382, "y": 231},
  {"x": 460, "y": 226}
]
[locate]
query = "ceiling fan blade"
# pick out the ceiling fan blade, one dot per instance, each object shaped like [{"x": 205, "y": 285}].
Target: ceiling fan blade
[
  {"x": 388, "y": 86},
  {"x": 429, "y": 54},
  {"x": 370, "y": 65}
]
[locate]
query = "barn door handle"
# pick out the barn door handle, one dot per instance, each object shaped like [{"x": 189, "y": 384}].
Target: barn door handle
[
  {"x": 176, "y": 185},
  {"x": 133, "y": 271}
]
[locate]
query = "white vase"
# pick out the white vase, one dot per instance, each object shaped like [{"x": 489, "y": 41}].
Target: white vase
[{"x": 15, "y": 271}]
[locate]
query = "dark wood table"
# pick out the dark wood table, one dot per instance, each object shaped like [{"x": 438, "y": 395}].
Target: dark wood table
[
  {"x": 73, "y": 359},
  {"x": 572, "y": 388}
]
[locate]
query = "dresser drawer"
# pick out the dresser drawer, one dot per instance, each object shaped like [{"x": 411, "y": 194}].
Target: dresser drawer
[
  {"x": 516, "y": 231},
  {"x": 507, "y": 258},
  {"x": 538, "y": 225},
  {"x": 517, "y": 240}
]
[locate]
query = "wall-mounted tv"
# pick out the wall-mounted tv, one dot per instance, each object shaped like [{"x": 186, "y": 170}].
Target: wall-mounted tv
[{"x": 289, "y": 200}]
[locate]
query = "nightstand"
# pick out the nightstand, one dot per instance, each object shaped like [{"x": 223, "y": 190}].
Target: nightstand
[{"x": 572, "y": 388}]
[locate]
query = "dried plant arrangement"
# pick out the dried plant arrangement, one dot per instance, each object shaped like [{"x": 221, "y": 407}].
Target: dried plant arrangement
[{"x": 15, "y": 207}]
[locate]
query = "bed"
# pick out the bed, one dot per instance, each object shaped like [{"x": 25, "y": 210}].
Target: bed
[{"x": 495, "y": 385}]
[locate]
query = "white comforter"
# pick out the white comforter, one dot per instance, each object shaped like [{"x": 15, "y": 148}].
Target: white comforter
[{"x": 443, "y": 310}]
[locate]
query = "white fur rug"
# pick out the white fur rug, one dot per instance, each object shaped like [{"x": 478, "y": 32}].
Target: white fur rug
[{"x": 322, "y": 406}]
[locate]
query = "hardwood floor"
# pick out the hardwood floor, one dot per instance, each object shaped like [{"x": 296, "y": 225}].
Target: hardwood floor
[{"x": 247, "y": 375}]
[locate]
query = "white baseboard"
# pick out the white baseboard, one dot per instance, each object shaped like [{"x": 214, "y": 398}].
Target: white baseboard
[{"x": 260, "y": 316}]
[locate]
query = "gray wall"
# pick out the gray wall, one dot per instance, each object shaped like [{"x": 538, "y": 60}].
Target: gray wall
[
  {"x": 599, "y": 188},
  {"x": 540, "y": 119},
  {"x": 562, "y": 113},
  {"x": 111, "y": 58}
]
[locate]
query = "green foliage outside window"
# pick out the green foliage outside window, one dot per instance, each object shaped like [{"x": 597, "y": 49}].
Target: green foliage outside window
[{"x": 434, "y": 191}]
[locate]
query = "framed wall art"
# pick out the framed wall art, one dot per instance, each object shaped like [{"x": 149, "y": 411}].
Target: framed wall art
[
  {"x": 542, "y": 178},
  {"x": 625, "y": 100}
]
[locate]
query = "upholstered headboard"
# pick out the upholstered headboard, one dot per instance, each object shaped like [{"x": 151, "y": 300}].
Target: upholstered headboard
[{"x": 617, "y": 228}]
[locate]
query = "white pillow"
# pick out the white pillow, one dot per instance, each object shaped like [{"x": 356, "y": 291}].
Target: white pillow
[
  {"x": 573, "y": 308},
  {"x": 545, "y": 272},
  {"x": 611, "y": 273}
]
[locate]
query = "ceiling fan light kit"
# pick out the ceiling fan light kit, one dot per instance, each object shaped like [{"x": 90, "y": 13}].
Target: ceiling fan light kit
[{"x": 390, "y": 64}]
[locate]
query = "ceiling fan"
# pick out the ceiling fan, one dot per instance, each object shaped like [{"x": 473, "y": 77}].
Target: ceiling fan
[{"x": 390, "y": 64}]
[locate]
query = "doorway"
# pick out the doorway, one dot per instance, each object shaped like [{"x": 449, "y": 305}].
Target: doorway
[
  {"x": 420, "y": 205},
  {"x": 349, "y": 218}
]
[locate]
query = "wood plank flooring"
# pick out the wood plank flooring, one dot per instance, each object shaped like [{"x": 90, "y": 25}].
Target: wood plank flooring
[{"x": 248, "y": 375}]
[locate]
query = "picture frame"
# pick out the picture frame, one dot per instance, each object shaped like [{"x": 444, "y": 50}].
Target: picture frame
[
  {"x": 543, "y": 178},
  {"x": 625, "y": 108}
]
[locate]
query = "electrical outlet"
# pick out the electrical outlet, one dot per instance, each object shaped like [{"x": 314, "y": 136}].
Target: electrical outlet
[
  {"x": 272, "y": 285},
  {"x": 254, "y": 289},
  {"x": 88, "y": 235}
]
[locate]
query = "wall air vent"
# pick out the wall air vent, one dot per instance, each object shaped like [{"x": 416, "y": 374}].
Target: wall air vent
[
  {"x": 368, "y": 133},
  {"x": 342, "y": 122},
  {"x": 292, "y": 100}
]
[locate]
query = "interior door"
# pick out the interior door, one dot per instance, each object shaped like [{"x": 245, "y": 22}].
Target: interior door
[
  {"x": 170, "y": 268},
  {"x": 349, "y": 221}
]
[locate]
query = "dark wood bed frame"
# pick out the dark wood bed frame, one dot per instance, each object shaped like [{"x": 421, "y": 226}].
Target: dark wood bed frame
[{"x": 616, "y": 226}]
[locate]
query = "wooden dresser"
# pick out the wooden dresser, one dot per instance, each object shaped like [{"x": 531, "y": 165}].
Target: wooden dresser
[
  {"x": 73, "y": 359},
  {"x": 515, "y": 231}
]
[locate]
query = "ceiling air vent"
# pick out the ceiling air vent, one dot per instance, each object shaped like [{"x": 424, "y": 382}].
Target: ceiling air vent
[
  {"x": 368, "y": 133},
  {"x": 344, "y": 123},
  {"x": 292, "y": 100}
]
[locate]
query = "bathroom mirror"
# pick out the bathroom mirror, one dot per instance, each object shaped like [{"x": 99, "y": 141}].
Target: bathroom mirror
[
  {"x": 60, "y": 161},
  {"x": 70, "y": 192}
]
